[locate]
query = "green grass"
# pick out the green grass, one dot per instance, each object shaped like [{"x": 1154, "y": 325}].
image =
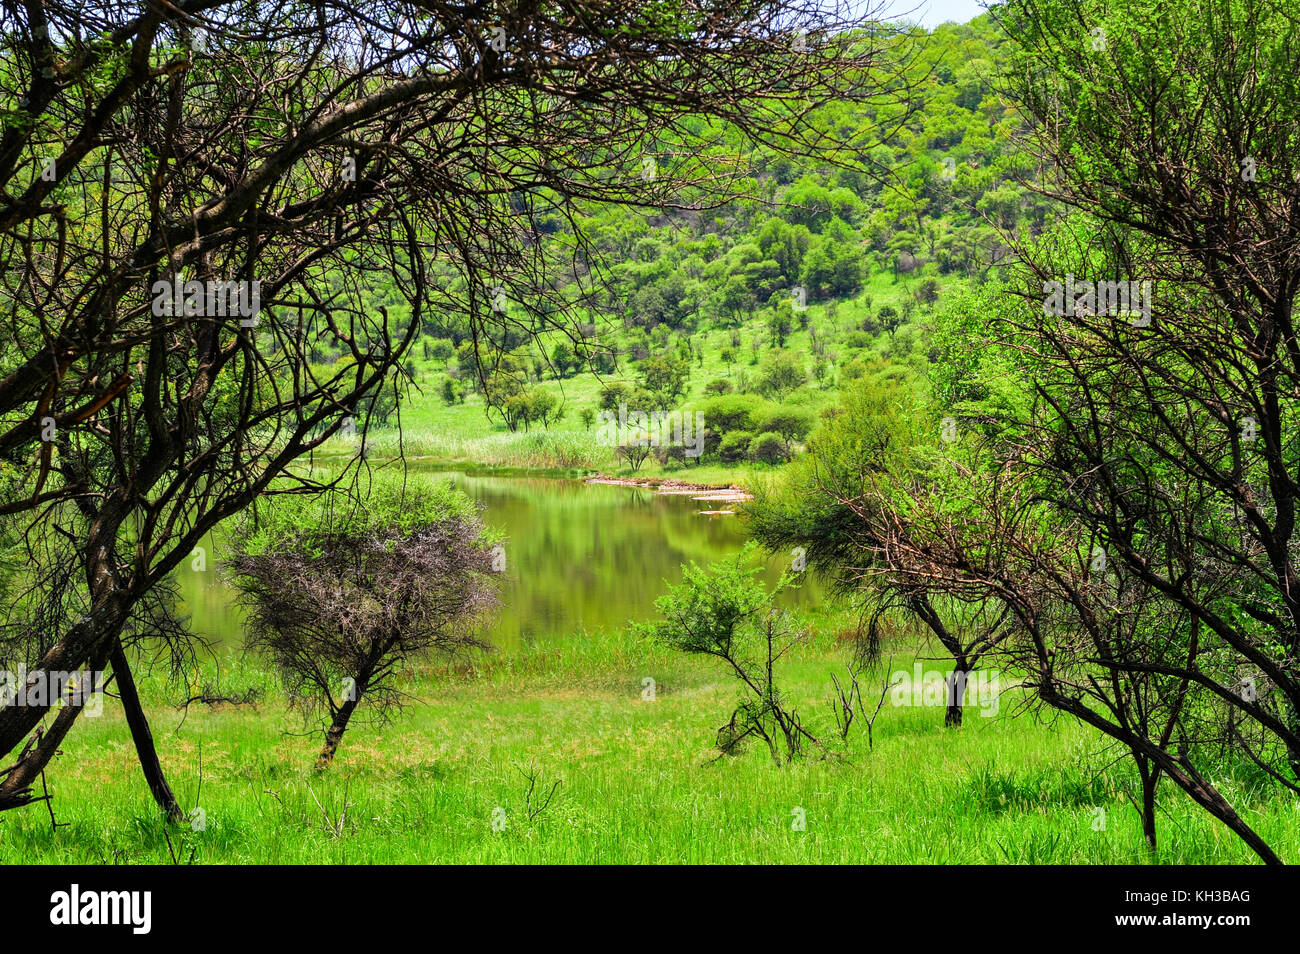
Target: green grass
[{"x": 639, "y": 781}]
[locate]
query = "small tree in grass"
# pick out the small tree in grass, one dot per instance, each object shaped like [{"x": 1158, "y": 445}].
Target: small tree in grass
[
  {"x": 634, "y": 453},
  {"x": 724, "y": 612},
  {"x": 344, "y": 590}
]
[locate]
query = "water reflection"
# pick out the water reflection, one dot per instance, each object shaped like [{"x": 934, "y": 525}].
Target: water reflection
[{"x": 578, "y": 557}]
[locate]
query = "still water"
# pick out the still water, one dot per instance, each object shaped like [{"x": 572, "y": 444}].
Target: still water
[{"x": 578, "y": 557}]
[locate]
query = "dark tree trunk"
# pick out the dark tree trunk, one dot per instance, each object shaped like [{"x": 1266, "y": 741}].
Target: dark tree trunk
[
  {"x": 142, "y": 737},
  {"x": 15, "y": 790},
  {"x": 1209, "y": 798},
  {"x": 86, "y": 644},
  {"x": 1180, "y": 771},
  {"x": 955, "y": 694},
  {"x": 1150, "y": 780},
  {"x": 334, "y": 734}
]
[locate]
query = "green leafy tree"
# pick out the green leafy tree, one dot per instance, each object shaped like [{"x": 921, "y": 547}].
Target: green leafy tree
[
  {"x": 781, "y": 323},
  {"x": 790, "y": 424},
  {"x": 563, "y": 360},
  {"x": 781, "y": 373},
  {"x": 768, "y": 449},
  {"x": 724, "y": 613},
  {"x": 734, "y": 446},
  {"x": 450, "y": 392},
  {"x": 665, "y": 376},
  {"x": 614, "y": 394}
]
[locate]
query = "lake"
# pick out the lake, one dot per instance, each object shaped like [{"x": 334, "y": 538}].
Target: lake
[{"x": 578, "y": 557}]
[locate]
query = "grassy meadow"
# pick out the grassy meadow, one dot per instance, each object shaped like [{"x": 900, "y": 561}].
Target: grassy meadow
[{"x": 638, "y": 781}]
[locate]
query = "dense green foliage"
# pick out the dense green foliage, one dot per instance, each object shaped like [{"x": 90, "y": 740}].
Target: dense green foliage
[{"x": 817, "y": 275}]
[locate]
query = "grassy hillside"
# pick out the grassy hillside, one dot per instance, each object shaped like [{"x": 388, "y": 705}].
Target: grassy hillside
[{"x": 463, "y": 435}]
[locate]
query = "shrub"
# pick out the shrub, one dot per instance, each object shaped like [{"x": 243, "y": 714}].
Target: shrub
[
  {"x": 767, "y": 448},
  {"x": 781, "y": 373},
  {"x": 853, "y": 369},
  {"x": 724, "y": 613},
  {"x": 734, "y": 446},
  {"x": 732, "y": 412},
  {"x": 345, "y": 591},
  {"x": 791, "y": 423},
  {"x": 450, "y": 392}
]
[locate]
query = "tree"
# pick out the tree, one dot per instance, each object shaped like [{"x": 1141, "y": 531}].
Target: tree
[
  {"x": 634, "y": 453},
  {"x": 851, "y": 504},
  {"x": 342, "y": 591},
  {"x": 732, "y": 412},
  {"x": 450, "y": 392},
  {"x": 614, "y": 394},
  {"x": 792, "y": 424},
  {"x": 505, "y": 392},
  {"x": 781, "y": 373},
  {"x": 563, "y": 360},
  {"x": 734, "y": 446},
  {"x": 833, "y": 265},
  {"x": 735, "y": 297},
  {"x": 1163, "y": 422},
  {"x": 768, "y": 449},
  {"x": 728, "y": 356},
  {"x": 544, "y": 408},
  {"x": 1131, "y": 509},
  {"x": 785, "y": 245},
  {"x": 665, "y": 377},
  {"x": 781, "y": 323},
  {"x": 724, "y": 613}
]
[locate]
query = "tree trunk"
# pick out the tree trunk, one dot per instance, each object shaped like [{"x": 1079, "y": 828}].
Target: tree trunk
[
  {"x": 1150, "y": 780},
  {"x": 16, "y": 791},
  {"x": 1212, "y": 801},
  {"x": 334, "y": 734},
  {"x": 955, "y": 694},
  {"x": 1180, "y": 771},
  {"x": 142, "y": 737},
  {"x": 86, "y": 644}
]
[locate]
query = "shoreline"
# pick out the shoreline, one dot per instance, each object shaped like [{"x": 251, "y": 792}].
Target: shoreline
[
  {"x": 732, "y": 491},
  {"x": 670, "y": 486}
]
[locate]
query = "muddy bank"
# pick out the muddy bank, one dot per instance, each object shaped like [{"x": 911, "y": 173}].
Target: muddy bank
[{"x": 712, "y": 493}]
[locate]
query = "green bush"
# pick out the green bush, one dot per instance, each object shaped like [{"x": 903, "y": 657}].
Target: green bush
[
  {"x": 732, "y": 412},
  {"x": 614, "y": 394},
  {"x": 734, "y": 446},
  {"x": 781, "y": 373},
  {"x": 767, "y": 448},
  {"x": 790, "y": 423}
]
